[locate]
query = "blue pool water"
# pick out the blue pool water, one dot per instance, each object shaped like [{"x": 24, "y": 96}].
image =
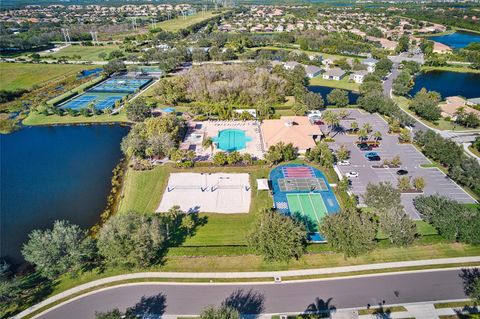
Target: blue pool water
[
  {"x": 458, "y": 39},
  {"x": 449, "y": 83},
  {"x": 51, "y": 173},
  {"x": 231, "y": 140}
]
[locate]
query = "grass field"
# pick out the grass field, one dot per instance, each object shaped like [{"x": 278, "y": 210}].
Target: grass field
[
  {"x": 26, "y": 75},
  {"x": 87, "y": 53},
  {"x": 342, "y": 84},
  {"x": 40, "y": 119},
  {"x": 143, "y": 190},
  {"x": 441, "y": 124},
  {"x": 461, "y": 69},
  {"x": 180, "y": 23}
]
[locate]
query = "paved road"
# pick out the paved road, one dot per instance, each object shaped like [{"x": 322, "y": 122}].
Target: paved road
[{"x": 189, "y": 299}]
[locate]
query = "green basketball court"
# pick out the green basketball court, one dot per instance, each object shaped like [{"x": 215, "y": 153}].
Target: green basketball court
[{"x": 309, "y": 206}]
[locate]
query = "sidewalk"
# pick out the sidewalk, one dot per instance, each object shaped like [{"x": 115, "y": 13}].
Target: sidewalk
[{"x": 273, "y": 275}]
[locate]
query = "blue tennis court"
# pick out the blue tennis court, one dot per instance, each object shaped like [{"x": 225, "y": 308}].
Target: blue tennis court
[
  {"x": 101, "y": 101},
  {"x": 121, "y": 85},
  {"x": 303, "y": 191},
  {"x": 107, "y": 93}
]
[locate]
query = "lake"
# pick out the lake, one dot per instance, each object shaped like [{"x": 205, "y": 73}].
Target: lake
[
  {"x": 51, "y": 173},
  {"x": 457, "y": 40},
  {"x": 323, "y": 90},
  {"x": 449, "y": 83}
]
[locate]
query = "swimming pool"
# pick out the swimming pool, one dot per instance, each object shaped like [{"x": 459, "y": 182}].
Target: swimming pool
[{"x": 231, "y": 140}]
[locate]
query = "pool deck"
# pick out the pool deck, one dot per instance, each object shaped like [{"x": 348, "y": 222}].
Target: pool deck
[{"x": 198, "y": 131}]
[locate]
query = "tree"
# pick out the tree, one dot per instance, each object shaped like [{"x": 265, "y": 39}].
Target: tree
[
  {"x": 383, "y": 67},
  {"x": 10, "y": 285},
  {"x": 321, "y": 154},
  {"x": 331, "y": 119},
  {"x": 419, "y": 183},
  {"x": 403, "y": 83},
  {"x": 338, "y": 98},
  {"x": 277, "y": 237},
  {"x": 138, "y": 110},
  {"x": 425, "y": 105},
  {"x": 64, "y": 248},
  {"x": 350, "y": 232},
  {"x": 112, "y": 314},
  {"x": 222, "y": 312},
  {"x": 113, "y": 67},
  {"x": 353, "y": 126},
  {"x": 220, "y": 158},
  {"x": 299, "y": 109},
  {"x": 453, "y": 220},
  {"x": 208, "y": 143},
  {"x": 405, "y": 136},
  {"x": 367, "y": 127},
  {"x": 377, "y": 135},
  {"x": 343, "y": 153},
  {"x": 403, "y": 183},
  {"x": 313, "y": 101},
  {"x": 281, "y": 152},
  {"x": 396, "y": 161},
  {"x": 381, "y": 196},
  {"x": 362, "y": 135},
  {"x": 102, "y": 55},
  {"x": 397, "y": 225},
  {"x": 131, "y": 239},
  {"x": 403, "y": 44}
]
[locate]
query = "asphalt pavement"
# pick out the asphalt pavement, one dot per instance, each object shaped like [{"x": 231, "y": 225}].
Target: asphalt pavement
[{"x": 188, "y": 299}]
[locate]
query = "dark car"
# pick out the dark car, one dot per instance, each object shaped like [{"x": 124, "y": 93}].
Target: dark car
[
  {"x": 364, "y": 147},
  {"x": 402, "y": 172},
  {"x": 373, "y": 158}
]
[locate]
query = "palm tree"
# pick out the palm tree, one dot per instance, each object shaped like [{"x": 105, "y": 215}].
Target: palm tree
[
  {"x": 208, "y": 142},
  {"x": 377, "y": 135},
  {"x": 354, "y": 126},
  {"x": 331, "y": 119},
  {"x": 367, "y": 127},
  {"x": 362, "y": 135},
  {"x": 343, "y": 113}
]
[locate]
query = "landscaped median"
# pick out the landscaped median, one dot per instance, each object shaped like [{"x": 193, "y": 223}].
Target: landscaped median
[{"x": 267, "y": 276}]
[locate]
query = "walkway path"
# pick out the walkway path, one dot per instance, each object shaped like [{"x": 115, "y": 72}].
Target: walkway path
[{"x": 235, "y": 275}]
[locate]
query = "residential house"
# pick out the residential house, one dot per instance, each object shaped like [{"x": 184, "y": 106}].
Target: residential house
[
  {"x": 370, "y": 63},
  {"x": 358, "y": 76},
  {"x": 452, "y": 104},
  {"x": 335, "y": 74},
  {"x": 312, "y": 71}
]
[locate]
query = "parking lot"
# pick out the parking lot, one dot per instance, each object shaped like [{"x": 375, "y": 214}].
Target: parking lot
[{"x": 411, "y": 158}]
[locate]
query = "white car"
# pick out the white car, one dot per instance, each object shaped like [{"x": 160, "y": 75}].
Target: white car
[
  {"x": 343, "y": 163},
  {"x": 351, "y": 174}
]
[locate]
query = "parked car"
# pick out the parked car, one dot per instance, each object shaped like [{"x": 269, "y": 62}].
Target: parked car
[
  {"x": 343, "y": 163},
  {"x": 402, "y": 172},
  {"x": 351, "y": 174},
  {"x": 372, "y": 156},
  {"x": 364, "y": 147},
  {"x": 318, "y": 122}
]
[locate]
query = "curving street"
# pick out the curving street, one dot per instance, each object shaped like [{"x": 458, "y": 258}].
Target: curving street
[{"x": 189, "y": 299}]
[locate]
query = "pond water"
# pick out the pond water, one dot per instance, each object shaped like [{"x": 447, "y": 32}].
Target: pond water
[
  {"x": 449, "y": 83},
  {"x": 457, "y": 40},
  {"x": 323, "y": 90},
  {"x": 51, "y": 173}
]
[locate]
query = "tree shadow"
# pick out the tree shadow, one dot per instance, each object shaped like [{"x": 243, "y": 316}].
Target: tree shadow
[
  {"x": 246, "y": 302},
  {"x": 320, "y": 308},
  {"x": 149, "y": 305},
  {"x": 468, "y": 276},
  {"x": 309, "y": 223}
]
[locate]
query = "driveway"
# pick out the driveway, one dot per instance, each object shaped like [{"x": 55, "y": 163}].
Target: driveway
[{"x": 411, "y": 158}]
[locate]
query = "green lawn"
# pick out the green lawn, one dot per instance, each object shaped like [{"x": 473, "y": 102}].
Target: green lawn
[
  {"x": 40, "y": 119},
  {"x": 342, "y": 84},
  {"x": 451, "y": 68},
  {"x": 297, "y": 49},
  {"x": 87, "y": 53},
  {"x": 181, "y": 23},
  {"x": 26, "y": 75},
  {"x": 441, "y": 124}
]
